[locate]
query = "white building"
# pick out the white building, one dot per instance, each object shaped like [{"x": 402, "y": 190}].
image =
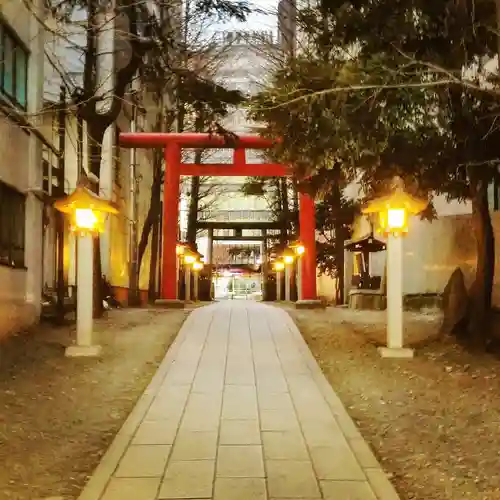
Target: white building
[
  {"x": 64, "y": 64},
  {"x": 21, "y": 52},
  {"x": 245, "y": 68}
]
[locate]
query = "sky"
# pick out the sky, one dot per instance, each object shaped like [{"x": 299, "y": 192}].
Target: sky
[{"x": 256, "y": 21}]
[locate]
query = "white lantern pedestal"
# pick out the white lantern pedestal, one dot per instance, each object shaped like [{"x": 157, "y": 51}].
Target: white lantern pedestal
[
  {"x": 395, "y": 328},
  {"x": 84, "y": 346}
]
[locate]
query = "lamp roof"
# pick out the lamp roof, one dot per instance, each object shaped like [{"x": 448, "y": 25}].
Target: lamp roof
[
  {"x": 368, "y": 243},
  {"x": 83, "y": 198},
  {"x": 398, "y": 199}
]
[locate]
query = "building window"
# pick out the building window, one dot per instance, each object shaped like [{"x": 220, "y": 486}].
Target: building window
[
  {"x": 13, "y": 68},
  {"x": 50, "y": 172},
  {"x": 12, "y": 226}
]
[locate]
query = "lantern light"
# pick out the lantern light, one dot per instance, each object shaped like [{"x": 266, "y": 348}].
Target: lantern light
[
  {"x": 298, "y": 248},
  {"x": 86, "y": 209},
  {"x": 189, "y": 258},
  {"x": 197, "y": 265},
  {"x": 394, "y": 210},
  {"x": 180, "y": 249},
  {"x": 86, "y": 219},
  {"x": 396, "y": 218},
  {"x": 279, "y": 265},
  {"x": 288, "y": 256}
]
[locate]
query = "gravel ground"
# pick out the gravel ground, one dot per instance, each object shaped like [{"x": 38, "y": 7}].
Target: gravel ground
[
  {"x": 58, "y": 415},
  {"x": 433, "y": 421}
]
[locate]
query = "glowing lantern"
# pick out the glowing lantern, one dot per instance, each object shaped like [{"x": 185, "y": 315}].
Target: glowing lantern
[
  {"x": 180, "y": 248},
  {"x": 197, "y": 266},
  {"x": 189, "y": 257},
  {"x": 86, "y": 209},
  {"x": 298, "y": 248},
  {"x": 288, "y": 256},
  {"x": 394, "y": 210},
  {"x": 279, "y": 266}
]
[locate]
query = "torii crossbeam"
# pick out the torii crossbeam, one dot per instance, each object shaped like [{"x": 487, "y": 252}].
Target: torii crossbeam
[{"x": 173, "y": 144}]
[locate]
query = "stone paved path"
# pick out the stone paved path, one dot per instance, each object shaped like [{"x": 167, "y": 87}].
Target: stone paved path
[{"x": 239, "y": 410}]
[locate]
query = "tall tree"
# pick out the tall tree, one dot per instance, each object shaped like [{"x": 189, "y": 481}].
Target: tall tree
[
  {"x": 90, "y": 28},
  {"x": 366, "y": 97}
]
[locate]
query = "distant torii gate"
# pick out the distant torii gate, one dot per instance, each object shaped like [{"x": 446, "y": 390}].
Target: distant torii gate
[{"x": 173, "y": 144}]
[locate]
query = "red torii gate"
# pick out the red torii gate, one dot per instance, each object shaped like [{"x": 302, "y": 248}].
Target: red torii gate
[{"x": 173, "y": 144}]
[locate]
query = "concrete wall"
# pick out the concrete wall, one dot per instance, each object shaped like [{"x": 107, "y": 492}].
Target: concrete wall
[
  {"x": 20, "y": 167},
  {"x": 433, "y": 250}
]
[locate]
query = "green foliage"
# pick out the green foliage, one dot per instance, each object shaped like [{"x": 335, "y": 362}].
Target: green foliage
[
  {"x": 389, "y": 88},
  {"x": 206, "y": 96},
  {"x": 335, "y": 215},
  {"x": 369, "y": 96}
]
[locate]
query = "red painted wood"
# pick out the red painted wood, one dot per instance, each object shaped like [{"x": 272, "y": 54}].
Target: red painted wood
[
  {"x": 239, "y": 157},
  {"x": 307, "y": 224},
  {"x": 191, "y": 140},
  {"x": 170, "y": 221},
  {"x": 232, "y": 170},
  {"x": 173, "y": 143}
]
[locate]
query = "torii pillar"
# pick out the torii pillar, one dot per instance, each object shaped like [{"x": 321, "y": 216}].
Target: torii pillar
[
  {"x": 307, "y": 226},
  {"x": 171, "y": 187},
  {"x": 174, "y": 168}
]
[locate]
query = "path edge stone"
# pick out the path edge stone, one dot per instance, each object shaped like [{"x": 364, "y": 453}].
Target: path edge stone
[
  {"x": 98, "y": 481},
  {"x": 376, "y": 476}
]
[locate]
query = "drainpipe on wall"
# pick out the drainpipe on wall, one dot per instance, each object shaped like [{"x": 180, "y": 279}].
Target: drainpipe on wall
[
  {"x": 61, "y": 116},
  {"x": 133, "y": 292}
]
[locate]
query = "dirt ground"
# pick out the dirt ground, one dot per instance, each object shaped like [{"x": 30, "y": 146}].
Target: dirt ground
[
  {"x": 433, "y": 421},
  {"x": 59, "y": 415}
]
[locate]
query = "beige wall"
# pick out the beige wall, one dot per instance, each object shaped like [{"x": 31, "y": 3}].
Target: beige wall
[
  {"x": 433, "y": 250},
  {"x": 20, "y": 167}
]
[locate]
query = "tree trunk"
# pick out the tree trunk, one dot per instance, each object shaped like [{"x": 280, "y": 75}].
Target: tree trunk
[
  {"x": 194, "y": 200},
  {"x": 153, "y": 265},
  {"x": 285, "y": 206},
  {"x": 193, "y": 205},
  {"x": 336, "y": 200},
  {"x": 295, "y": 204},
  {"x": 152, "y": 217},
  {"x": 481, "y": 290},
  {"x": 339, "y": 259},
  {"x": 95, "y": 137}
]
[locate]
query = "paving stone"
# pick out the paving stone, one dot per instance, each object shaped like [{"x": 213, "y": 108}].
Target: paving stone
[
  {"x": 240, "y": 489},
  {"x": 275, "y": 401},
  {"x": 143, "y": 461},
  {"x": 240, "y": 402},
  {"x": 137, "y": 488},
  {"x": 156, "y": 432},
  {"x": 278, "y": 420},
  {"x": 239, "y": 432},
  {"x": 284, "y": 445},
  {"x": 347, "y": 490},
  {"x": 363, "y": 453},
  {"x": 192, "y": 479},
  {"x": 195, "y": 445},
  {"x": 240, "y": 461},
  {"x": 204, "y": 402},
  {"x": 195, "y": 420},
  {"x": 381, "y": 484},
  {"x": 244, "y": 402},
  {"x": 162, "y": 409},
  {"x": 291, "y": 479},
  {"x": 240, "y": 377},
  {"x": 336, "y": 463},
  {"x": 321, "y": 434}
]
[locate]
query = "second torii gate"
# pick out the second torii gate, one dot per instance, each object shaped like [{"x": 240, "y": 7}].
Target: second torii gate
[{"x": 173, "y": 144}]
